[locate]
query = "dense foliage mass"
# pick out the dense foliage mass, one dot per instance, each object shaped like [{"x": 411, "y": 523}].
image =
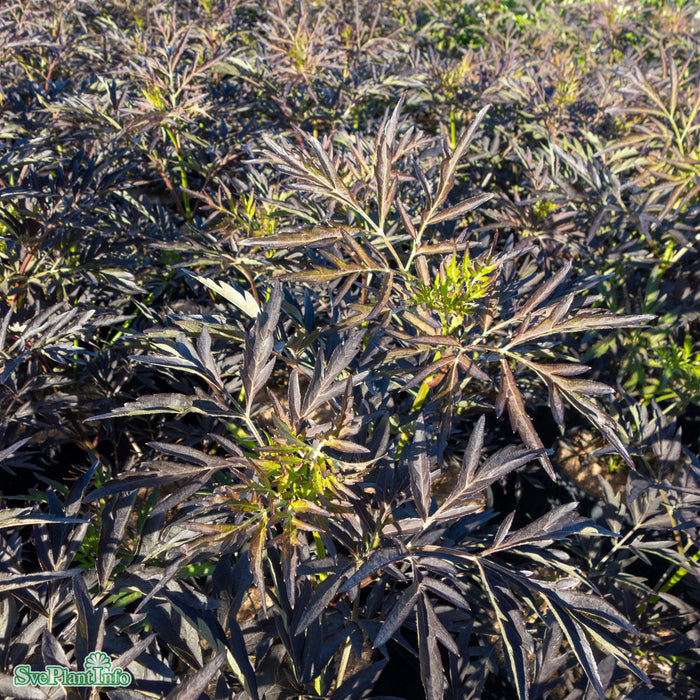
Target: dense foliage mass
[{"x": 351, "y": 349}]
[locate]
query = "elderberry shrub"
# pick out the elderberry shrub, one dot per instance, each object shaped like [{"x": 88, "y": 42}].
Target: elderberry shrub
[{"x": 341, "y": 340}]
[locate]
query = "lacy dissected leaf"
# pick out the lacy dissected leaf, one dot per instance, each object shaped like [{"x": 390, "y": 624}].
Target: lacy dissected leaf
[
  {"x": 546, "y": 290},
  {"x": 185, "y": 357},
  {"x": 458, "y": 210},
  {"x": 323, "y": 385},
  {"x": 561, "y": 385},
  {"x": 259, "y": 342},
  {"x": 419, "y": 469},
  {"x": 559, "y": 523},
  {"x": 520, "y": 422},
  {"x": 19, "y": 517},
  {"x": 517, "y": 640},
  {"x": 607, "y": 426},
  {"x": 115, "y": 517},
  {"x": 397, "y": 615},
  {"x": 90, "y": 624},
  {"x": 315, "y": 175},
  {"x": 152, "y": 404},
  {"x": 316, "y": 236},
  {"x": 324, "y": 274},
  {"x": 244, "y": 301},
  {"x": 472, "y": 480},
  {"x": 166, "y": 473},
  {"x": 12, "y": 582},
  {"x": 448, "y": 169},
  {"x": 595, "y": 320},
  {"x": 585, "y": 611},
  {"x": 324, "y": 593},
  {"x": 430, "y": 629},
  {"x": 255, "y": 554},
  {"x": 582, "y": 649},
  {"x": 377, "y": 560}
]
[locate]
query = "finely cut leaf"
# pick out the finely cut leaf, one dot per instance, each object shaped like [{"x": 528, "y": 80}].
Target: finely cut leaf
[
  {"x": 241, "y": 300},
  {"x": 458, "y": 209},
  {"x": 519, "y": 419},
  {"x": 428, "y": 653},
  {"x": 397, "y": 615},
  {"x": 419, "y": 469},
  {"x": 193, "y": 687}
]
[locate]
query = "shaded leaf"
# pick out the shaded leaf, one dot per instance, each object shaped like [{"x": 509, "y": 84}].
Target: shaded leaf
[
  {"x": 193, "y": 687},
  {"x": 428, "y": 653},
  {"x": 397, "y": 615}
]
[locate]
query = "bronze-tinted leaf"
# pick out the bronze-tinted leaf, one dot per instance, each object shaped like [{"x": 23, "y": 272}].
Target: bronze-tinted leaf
[
  {"x": 419, "y": 469},
  {"x": 257, "y": 365},
  {"x": 448, "y": 167},
  {"x": 546, "y": 290},
  {"x": 458, "y": 209},
  {"x": 324, "y": 274},
  {"x": 397, "y": 615},
  {"x": 429, "y": 658},
  {"x": 193, "y": 687},
  {"x": 313, "y": 236},
  {"x": 516, "y": 639},
  {"x": 255, "y": 554},
  {"x": 519, "y": 419},
  {"x": 470, "y": 460}
]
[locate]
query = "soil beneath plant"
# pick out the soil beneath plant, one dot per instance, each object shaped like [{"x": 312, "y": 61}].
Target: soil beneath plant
[{"x": 574, "y": 457}]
